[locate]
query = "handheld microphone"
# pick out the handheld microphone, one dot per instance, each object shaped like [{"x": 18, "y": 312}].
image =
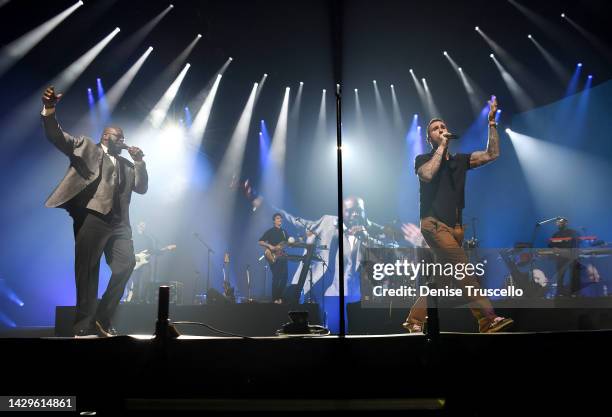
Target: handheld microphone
[
  {"x": 452, "y": 136},
  {"x": 122, "y": 145}
]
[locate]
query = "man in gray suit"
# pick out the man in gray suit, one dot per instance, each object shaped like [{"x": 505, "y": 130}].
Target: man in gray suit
[{"x": 96, "y": 191}]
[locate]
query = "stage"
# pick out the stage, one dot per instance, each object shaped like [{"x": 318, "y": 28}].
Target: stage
[
  {"x": 453, "y": 374},
  {"x": 456, "y": 373}
]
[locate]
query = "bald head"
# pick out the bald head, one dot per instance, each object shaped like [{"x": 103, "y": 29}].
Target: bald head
[{"x": 354, "y": 210}]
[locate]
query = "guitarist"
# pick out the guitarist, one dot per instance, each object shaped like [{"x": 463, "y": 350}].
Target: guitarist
[{"x": 273, "y": 240}]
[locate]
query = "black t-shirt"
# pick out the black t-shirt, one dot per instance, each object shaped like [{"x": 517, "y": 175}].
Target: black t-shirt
[
  {"x": 444, "y": 196},
  {"x": 274, "y": 236}
]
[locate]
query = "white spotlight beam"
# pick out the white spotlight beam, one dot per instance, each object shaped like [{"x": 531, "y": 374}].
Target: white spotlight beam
[
  {"x": 125, "y": 49},
  {"x": 297, "y": 104},
  {"x": 260, "y": 86},
  {"x": 296, "y": 107},
  {"x": 159, "y": 112},
  {"x": 552, "y": 31},
  {"x": 380, "y": 107},
  {"x": 597, "y": 43},
  {"x": 274, "y": 177},
  {"x": 549, "y": 181},
  {"x": 359, "y": 116},
  {"x": 431, "y": 105},
  {"x": 201, "y": 120},
  {"x": 474, "y": 93},
  {"x": 117, "y": 91},
  {"x": 322, "y": 119},
  {"x": 14, "y": 51},
  {"x": 231, "y": 163},
  {"x": 516, "y": 67},
  {"x": 279, "y": 138},
  {"x": 22, "y": 116},
  {"x": 420, "y": 92},
  {"x": 397, "y": 112},
  {"x": 65, "y": 80},
  {"x": 562, "y": 74},
  {"x": 518, "y": 93},
  {"x": 182, "y": 57},
  {"x": 227, "y": 63}
]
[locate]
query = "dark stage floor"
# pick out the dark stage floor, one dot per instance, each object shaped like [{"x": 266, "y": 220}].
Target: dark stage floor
[{"x": 456, "y": 374}]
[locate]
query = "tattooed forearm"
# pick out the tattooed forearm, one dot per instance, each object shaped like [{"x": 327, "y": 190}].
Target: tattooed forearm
[
  {"x": 493, "y": 144},
  {"x": 480, "y": 158},
  {"x": 430, "y": 168}
]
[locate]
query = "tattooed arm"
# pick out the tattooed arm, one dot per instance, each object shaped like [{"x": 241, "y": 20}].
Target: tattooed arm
[
  {"x": 481, "y": 158},
  {"x": 429, "y": 169}
]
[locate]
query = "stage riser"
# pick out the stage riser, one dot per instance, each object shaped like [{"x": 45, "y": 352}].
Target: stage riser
[{"x": 551, "y": 315}]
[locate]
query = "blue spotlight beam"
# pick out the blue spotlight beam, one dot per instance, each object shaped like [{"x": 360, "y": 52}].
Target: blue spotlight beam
[
  {"x": 572, "y": 86},
  {"x": 102, "y": 105},
  {"x": 264, "y": 146},
  {"x": 188, "y": 120}
]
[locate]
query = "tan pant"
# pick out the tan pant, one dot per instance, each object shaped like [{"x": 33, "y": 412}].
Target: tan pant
[{"x": 446, "y": 243}]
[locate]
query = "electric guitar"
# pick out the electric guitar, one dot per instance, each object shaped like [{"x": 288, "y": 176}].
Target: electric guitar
[
  {"x": 144, "y": 257},
  {"x": 273, "y": 254}
]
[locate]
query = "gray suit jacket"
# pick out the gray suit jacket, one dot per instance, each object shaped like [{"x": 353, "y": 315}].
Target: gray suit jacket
[{"x": 85, "y": 163}]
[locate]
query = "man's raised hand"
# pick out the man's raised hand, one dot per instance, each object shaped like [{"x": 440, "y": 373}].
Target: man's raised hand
[
  {"x": 49, "y": 97},
  {"x": 492, "y": 108}
]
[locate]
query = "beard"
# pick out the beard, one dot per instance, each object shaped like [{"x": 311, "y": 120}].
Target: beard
[{"x": 113, "y": 148}]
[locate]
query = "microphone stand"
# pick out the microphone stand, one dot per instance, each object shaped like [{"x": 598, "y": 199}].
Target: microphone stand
[
  {"x": 209, "y": 252},
  {"x": 317, "y": 238}
]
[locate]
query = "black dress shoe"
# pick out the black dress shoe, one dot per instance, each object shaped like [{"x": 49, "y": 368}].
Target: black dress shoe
[
  {"x": 104, "y": 331},
  {"x": 85, "y": 333}
]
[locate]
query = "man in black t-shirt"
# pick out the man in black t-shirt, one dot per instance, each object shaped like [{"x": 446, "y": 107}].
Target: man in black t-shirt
[
  {"x": 442, "y": 188},
  {"x": 273, "y": 240}
]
